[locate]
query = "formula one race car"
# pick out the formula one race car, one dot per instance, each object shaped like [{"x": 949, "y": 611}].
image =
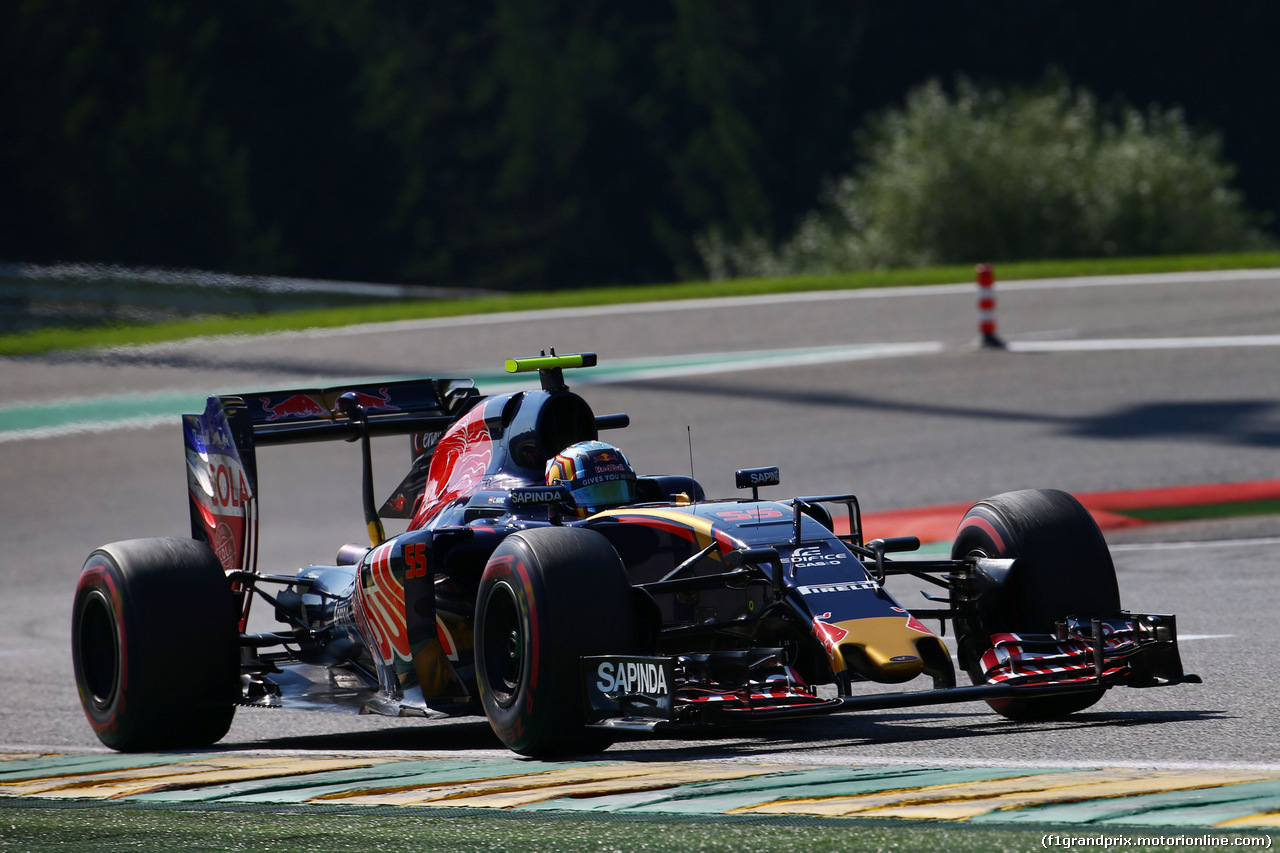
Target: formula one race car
[{"x": 544, "y": 584}]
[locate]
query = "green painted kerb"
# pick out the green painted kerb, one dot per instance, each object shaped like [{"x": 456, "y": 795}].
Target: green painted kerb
[{"x": 24, "y": 417}]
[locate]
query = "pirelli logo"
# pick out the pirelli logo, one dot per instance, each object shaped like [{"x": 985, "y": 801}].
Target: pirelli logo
[{"x": 852, "y": 586}]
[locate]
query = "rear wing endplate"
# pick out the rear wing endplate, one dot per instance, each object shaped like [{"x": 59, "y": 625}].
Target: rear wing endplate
[{"x": 221, "y": 445}]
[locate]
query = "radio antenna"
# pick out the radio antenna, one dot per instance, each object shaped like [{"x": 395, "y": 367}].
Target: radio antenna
[{"x": 689, "y": 431}]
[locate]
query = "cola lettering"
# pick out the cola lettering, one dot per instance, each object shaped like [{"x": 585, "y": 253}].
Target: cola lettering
[{"x": 230, "y": 489}]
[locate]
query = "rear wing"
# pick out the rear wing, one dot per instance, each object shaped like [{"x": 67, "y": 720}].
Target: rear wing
[
  {"x": 394, "y": 408},
  {"x": 221, "y": 445}
]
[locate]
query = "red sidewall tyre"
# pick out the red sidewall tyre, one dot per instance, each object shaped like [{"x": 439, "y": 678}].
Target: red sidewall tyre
[
  {"x": 1063, "y": 568},
  {"x": 549, "y": 596},
  {"x": 154, "y": 643}
]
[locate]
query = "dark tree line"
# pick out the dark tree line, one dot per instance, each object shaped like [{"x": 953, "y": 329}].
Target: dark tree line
[{"x": 526, "y": 143}]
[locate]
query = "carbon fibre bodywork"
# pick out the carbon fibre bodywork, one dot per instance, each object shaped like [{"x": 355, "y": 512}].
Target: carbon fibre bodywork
[{"x": 746, "y": 607}]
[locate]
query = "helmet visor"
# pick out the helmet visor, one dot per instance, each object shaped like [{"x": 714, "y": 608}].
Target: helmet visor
[{"x": 606, "y": 494}]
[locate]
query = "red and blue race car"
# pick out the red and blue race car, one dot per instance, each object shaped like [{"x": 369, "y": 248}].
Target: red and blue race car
[{"x": 542, "y": 583}]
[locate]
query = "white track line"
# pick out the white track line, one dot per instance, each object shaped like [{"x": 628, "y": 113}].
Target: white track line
[
  {"x": 1119, "y": 344},
  {"x": 1191, "y": 544}
]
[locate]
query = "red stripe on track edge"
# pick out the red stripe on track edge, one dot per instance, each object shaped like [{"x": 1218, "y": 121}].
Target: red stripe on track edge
[{"x": 938, "y": 523}]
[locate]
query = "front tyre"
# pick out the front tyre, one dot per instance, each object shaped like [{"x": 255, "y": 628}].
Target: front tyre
[
  {"x": 1063, "y": 568},
  {"x": 549, "y": 596},
  {"x": 155, "y": 645}
]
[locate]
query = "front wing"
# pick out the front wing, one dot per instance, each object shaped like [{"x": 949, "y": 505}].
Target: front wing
[{"x": 655, "y": 693}]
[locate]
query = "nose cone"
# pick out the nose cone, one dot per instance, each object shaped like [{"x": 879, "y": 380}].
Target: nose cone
[{"x": 884, "y": 649}]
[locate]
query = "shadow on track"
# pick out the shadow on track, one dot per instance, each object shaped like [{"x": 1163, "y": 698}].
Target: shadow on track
[
  {"x": 851, "y": 732},
  {"x": 1248, "y": 423}
]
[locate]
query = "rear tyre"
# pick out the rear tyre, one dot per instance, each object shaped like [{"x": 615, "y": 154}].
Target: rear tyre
[
  {"x": 1064, "y": 568},
  {"x": 155, "y": 645},
  {"x": 548, "y": 597}
]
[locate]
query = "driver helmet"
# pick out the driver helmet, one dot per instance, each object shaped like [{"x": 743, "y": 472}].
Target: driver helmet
[{"x": 597, "y": 475}]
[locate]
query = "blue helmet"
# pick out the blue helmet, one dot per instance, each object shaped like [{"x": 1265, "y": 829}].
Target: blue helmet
[{"x": 597, "y": 475}]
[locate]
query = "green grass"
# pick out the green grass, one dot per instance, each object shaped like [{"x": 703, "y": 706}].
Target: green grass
[
  {"x": 46, "y": 340},
  {"x": 1206, "y": 512},
  {"x": 96, "y": 828}
]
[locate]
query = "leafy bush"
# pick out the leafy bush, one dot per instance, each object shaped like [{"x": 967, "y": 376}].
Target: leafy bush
[{"x": 989, "y": 175}]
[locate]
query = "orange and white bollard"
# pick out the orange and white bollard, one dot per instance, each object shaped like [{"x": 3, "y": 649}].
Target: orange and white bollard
[{"x": 987, "y": 307}]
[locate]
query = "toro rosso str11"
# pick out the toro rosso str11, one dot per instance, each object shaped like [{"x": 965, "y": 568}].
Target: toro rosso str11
[{"x": 543, "y": 584}]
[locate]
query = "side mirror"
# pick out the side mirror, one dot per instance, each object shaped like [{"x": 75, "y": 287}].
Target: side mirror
[
  {"x": 892, "y": 544},
  {"x": 754, "y": 478},
  {"x": 758, "y": 557}
]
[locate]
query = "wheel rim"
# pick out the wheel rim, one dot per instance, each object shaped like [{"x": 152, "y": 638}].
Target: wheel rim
[
  {"x": 503, "y": 639},
  {"x": 99, "y": 650}
]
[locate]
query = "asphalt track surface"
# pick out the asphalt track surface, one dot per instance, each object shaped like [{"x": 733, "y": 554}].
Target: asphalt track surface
[{"x": 1109, "y": 384}]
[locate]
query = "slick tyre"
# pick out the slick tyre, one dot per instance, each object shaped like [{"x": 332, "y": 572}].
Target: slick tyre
[
  {"x": 155, "y": 645},
  {"x": 1063, "y": 568},
  {"x": 548, "y": 597}
]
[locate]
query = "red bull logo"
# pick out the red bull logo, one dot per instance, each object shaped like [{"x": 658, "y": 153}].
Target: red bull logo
[
  {"x": 376, "y": 402},
  {"x": 912, "y": 622},
  {"x": 380, "y": 598},
  {"x": 830, "y": 635},
  {"x": 459, "y": 463},
  {"x": 916, "y": 625},
  {"x": 296, "y": 406}
]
